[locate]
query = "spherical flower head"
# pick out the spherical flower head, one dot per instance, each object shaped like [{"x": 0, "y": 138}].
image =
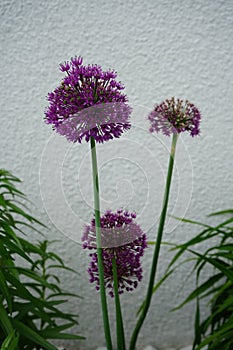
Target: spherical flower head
[
  {"x": 123, "y": 239},
  {"x": 175, "y": 116},
  {"x": 88, "y": 103}
]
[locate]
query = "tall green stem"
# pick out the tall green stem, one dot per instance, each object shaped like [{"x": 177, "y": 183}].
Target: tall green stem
[
  {"x": 119, "y": 319},
  {"x": 99, "y": 247},
  {"x": 157, "y": 246}
]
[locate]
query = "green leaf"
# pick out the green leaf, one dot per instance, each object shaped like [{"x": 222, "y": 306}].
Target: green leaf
[
  {"x": 8, "y": 267},
  {"x": 54, "y": 277},
  {"x": 18, "y": 210},
  {"x": 222, "y": 331},
  {"x": 23, "y": 293},
  {"x": 228, "y": 247},
  {"x": 223, "y": 255},
  {"x": 227, "y": 304},
  {"x": 63, "y": 294},
  {"x": 62, "y": 315},
  {"x": 5, "y": 320},
  {"x": 5, "y": 291},
  {"x": 8, "y": 230},
  {"x": 199, "y": 290},
  {"x": 61, "y": 267},
  {"x": 32, "y": 335},
  {"x": 229, "y": 221},
  {"x": 183, "y": 247},
  {"x": 5, "y": 174},
  {"x": 219, "y": 264},
  {"x": 15, "y": 248},
  {"x": 164, "y": 243},
  {"x": 24, "y": 223},
  {"x": 191, "y": 221},
  {"x": 11, "y": 342},
  {"x": 31, "y": 248},
  {"x": 222, "y": 212},
  {"x": 36, "y": 277},
  {"x": 24, "y": 309},
  {"x": 55, "y": 335},
  {"x": 197, "y": 339},
  {"x": 36, "y": 286},
  {"x": 4, "y": 253},
  {"x": 55, "y": 332},
  {"x": 54, "y": 256},
  {"x": 58, "y": 301},
  {"x": 12, "y": 190},
  {"x": 2, "y": 201},
  {"x": 221, "y": 289},
  {"x": 60, "y": 328}
]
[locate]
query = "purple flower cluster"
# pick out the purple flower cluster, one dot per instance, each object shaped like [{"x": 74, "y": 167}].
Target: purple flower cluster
[
  {"x": 88, "y": 103},
  {"x": 175, "y": 116},
  {"x": 122, "y": 239}
]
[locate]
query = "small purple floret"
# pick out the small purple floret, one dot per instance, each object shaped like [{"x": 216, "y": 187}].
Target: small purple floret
[
  {"x": 175, "y": 116},
  {"x": 122, "y": 239}
]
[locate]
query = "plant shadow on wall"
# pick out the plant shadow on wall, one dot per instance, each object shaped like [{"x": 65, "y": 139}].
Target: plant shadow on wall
[{"x": 30, "y": 292}]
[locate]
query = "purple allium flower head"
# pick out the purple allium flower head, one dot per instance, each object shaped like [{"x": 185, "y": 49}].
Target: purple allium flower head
[
  {"x": 175, "y": 116},
  {"x": 122, "y": 239},
  {"x": 88, "y": 103}
]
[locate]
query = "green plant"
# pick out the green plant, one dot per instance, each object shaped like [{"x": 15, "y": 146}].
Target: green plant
[
  {"x": 214, "y": 330},
  {"x": 30, "y": 291}
]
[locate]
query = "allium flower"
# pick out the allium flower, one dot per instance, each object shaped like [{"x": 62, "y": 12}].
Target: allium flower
[
  {"x": 122, "y": 239},
  {"x": 88, "y": 103},
  {"x": 175, "y": 116}
]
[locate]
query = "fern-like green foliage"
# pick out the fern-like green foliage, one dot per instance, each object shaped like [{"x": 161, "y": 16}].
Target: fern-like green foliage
[
  {"x": 30, "y": 292},
  {"x": 214, "y": 330}
]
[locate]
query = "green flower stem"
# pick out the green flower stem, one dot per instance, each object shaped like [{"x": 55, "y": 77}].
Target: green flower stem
[
  {"x": 157, "y": 246},
  {"x": 119, "y": 319},
  {"x": 99, "y": 247}
]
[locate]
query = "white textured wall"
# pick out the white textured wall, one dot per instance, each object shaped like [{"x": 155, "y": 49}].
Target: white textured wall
[{"x": 160, "y": 48}]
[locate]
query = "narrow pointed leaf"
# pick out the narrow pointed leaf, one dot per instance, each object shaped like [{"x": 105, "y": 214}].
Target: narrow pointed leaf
[
  {"x": 5, "y": 291},
  {"x": 32, "y": 335},
  {"x": 199, "y": 290},
  {"x": 5, "y": 320},
  {"x": 11, "y": 342}
]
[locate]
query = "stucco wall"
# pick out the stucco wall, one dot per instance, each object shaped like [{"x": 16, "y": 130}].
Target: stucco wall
[{"x": 160, "y": 49}]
